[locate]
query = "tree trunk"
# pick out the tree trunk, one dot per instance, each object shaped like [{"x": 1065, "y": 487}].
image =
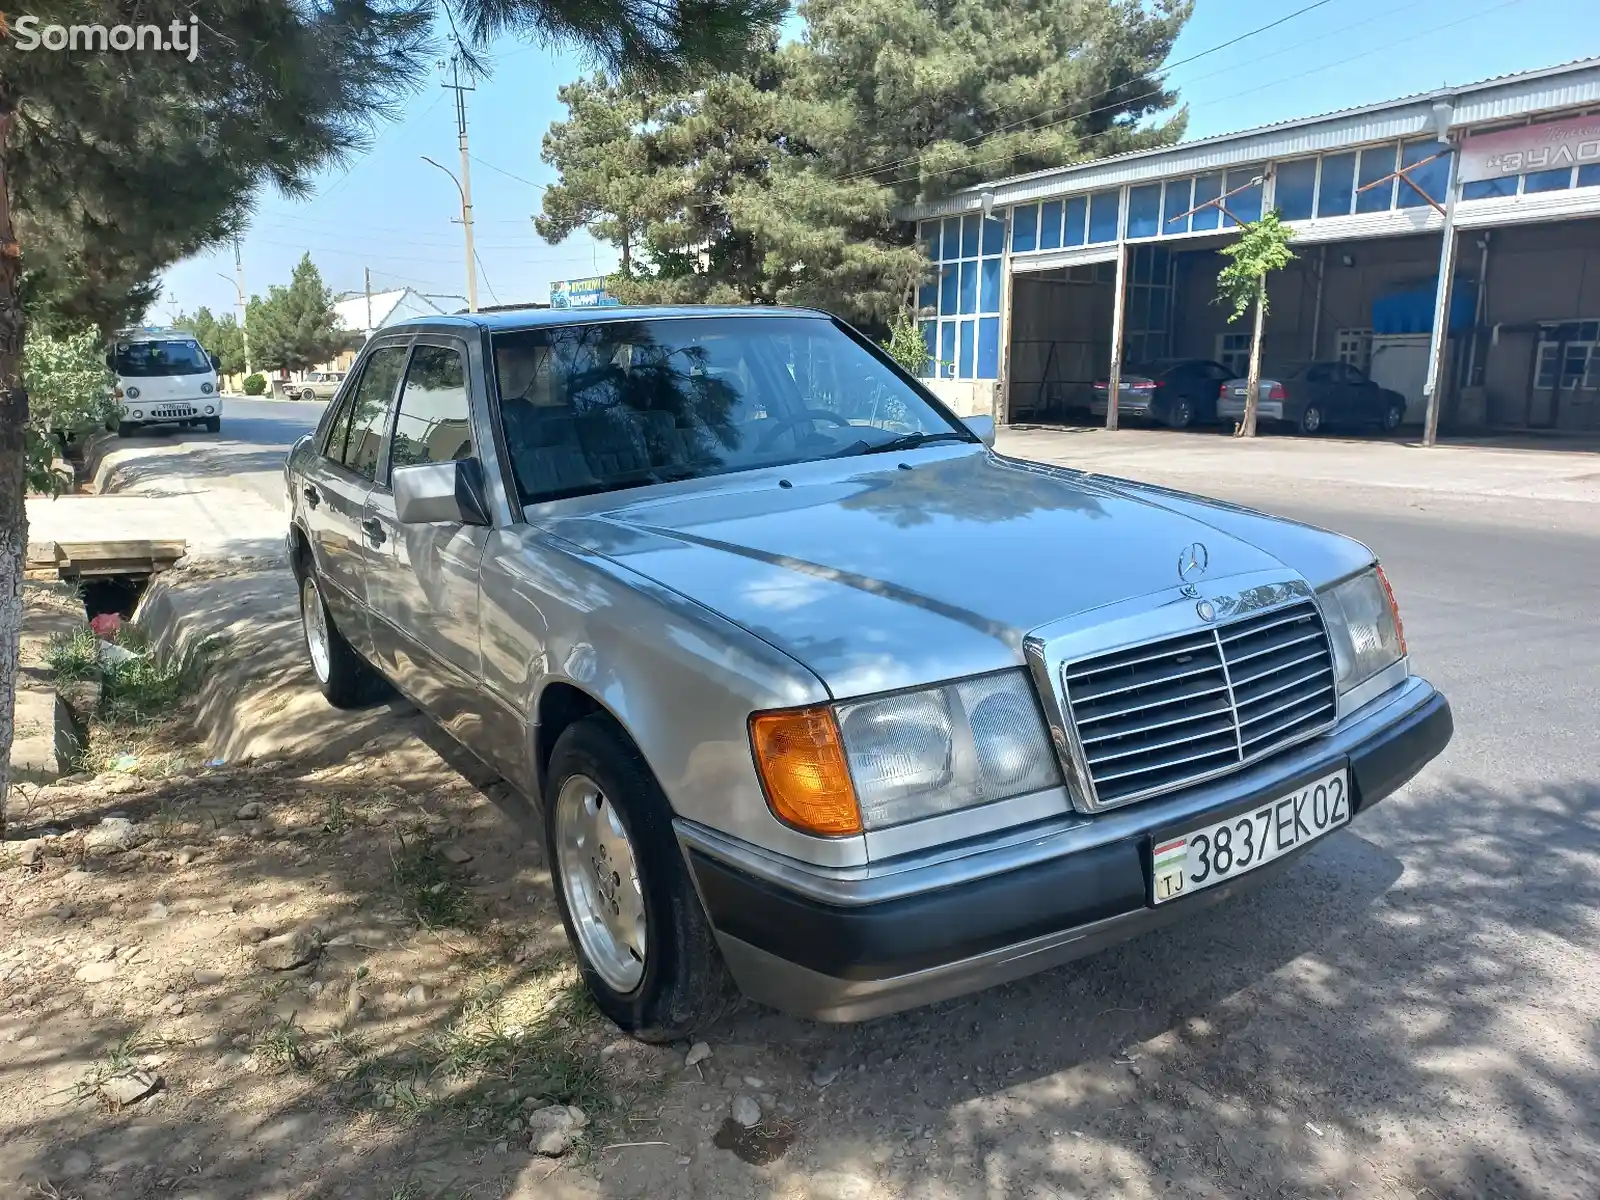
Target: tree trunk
[
  {"x": 13, "y": 465},
  {"x": 1252, "y": 383}
]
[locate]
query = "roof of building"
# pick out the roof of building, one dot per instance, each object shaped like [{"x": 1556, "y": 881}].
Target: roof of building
[
  {"x": 352, "y": 311},
  {"x": 1499, "y": 98}
]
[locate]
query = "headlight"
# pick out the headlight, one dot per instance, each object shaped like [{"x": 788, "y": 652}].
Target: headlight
[
  {"x": 132, "y": 393},
  {"x": 900, "y": 758},
  {"x": 1363, "y": 627}
]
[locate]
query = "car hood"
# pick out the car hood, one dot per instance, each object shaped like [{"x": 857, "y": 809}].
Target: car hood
[{"x": 885, "y": 571}]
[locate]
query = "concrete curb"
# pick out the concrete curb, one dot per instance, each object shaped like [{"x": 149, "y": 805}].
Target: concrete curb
[{"x": 238, "y": 626}]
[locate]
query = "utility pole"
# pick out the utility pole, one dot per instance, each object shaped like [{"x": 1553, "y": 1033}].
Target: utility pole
[
  {"x": 366, "y": 274},
  {"x": 244, "y": 311},
  {"x": 464, "y": 184}
]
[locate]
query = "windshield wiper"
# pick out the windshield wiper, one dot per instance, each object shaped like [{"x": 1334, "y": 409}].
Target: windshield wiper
[{"x": 906, "y": 441}]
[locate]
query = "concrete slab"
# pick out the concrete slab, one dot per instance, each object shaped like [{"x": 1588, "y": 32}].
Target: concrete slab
[{"x": 1557, "y": 473}]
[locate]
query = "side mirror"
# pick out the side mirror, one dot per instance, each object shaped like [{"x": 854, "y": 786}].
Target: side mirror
[
  {"x": 216, "y": 362},
  {"x": 982, "y": 426},
  {"x": 440, "y": 493}
]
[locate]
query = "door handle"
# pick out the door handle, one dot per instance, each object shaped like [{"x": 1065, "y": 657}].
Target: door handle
[
  {"x": 313, "y": 497},
  {"x": 374, "y": 530}
]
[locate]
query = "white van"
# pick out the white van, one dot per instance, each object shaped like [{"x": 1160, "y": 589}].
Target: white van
[{"x": 164, "y": 377}]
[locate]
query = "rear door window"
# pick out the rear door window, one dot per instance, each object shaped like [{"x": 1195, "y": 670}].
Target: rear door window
[
  {"x": 369, "y": 412},
  {"x": 434, "y": 423}
]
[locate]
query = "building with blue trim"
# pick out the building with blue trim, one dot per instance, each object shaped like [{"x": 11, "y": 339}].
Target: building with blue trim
[{"x": 1043, "y": 284}]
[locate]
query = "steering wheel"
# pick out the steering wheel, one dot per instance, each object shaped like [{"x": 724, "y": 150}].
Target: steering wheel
[{"x": 783, "y": 424}]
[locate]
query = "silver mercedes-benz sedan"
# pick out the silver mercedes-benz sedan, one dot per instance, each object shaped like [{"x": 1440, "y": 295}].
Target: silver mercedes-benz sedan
[{"x": 816, "y": 696}]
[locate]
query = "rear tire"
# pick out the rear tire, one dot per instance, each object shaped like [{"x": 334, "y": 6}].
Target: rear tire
[
  {"x": 1310, "y": 420},
  {"x": 1392, "y": 417},
  {"x": 1180, "y": 415},
  {"x": 308, "y": 395},
  {"x": 598, "y": 781},
  {"x": 343, "y": 675}
]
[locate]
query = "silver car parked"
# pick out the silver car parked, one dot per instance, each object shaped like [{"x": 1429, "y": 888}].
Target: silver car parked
[{"x": 813, "y": 692}]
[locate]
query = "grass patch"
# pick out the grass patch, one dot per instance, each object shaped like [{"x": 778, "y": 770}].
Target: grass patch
[
  {"x": 282, "y": 1047},
  {"x": 118, "y": 1060},
  {"x": 338, "y": 818},
  {"x": 73, "y": 656},
  {"x": 428, "y": 888}
]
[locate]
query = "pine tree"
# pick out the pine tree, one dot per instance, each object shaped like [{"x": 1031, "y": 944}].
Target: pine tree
[{"x": 294, "y": 327}]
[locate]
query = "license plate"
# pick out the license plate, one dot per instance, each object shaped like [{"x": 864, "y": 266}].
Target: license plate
[{"x": 1216, "y": 853}]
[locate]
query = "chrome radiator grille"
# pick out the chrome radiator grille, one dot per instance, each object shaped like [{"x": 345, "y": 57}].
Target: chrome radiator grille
[{"x": 1154, "y": 717}]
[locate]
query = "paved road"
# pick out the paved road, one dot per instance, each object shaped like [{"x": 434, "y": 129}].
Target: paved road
[{"x": 247, "y": 455}]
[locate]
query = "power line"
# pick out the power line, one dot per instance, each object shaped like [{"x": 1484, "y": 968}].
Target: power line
[
  {"x": 485, "y": 275},
  {"x": 543, "y": 187}
]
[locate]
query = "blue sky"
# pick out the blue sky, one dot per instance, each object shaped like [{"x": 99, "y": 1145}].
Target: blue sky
[{"x": 389, "y": 211}]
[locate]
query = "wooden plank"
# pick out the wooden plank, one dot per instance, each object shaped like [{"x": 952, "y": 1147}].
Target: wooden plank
[{"x": 134, "y": 557}]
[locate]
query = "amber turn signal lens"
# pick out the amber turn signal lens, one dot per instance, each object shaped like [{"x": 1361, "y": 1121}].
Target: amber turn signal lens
[
  {"x": 1394, "y": 610},
  {"x": 801, "y": 761}
]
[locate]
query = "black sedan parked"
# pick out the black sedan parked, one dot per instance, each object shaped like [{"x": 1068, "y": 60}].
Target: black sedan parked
[
  {"x": 1312, "y": 396},
  {"x": 1175, "y": 391}
]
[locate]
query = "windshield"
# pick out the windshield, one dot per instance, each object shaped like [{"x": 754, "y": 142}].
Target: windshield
[
  {"x": 590, "y": 408},
  {"x": 141, "y": 360}
]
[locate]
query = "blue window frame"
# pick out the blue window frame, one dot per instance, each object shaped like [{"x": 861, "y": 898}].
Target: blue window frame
[
  {"x": 952, "y": 238},
  {"x": 1589, "y": 176},
  {"x": 930, "y": 339},
  {"x": 1558, "y": 180},
  {"x": 1482, "y": 189},
  {"x": 969, "y": 236},
  {"x": 994, "y": 236},
  {"x": 1103, "y": 214},
  {"x": 1025, "y": 227},
  {"x": 969, "y": 286},
  {"x": 1375, "y": 164},
  {"x": 1174, "y": 204},
  {"x": 1338, "y": 182},
  {"x": 949, "y": 282},
  {"x": 1433, "y": 178},
  {"x": 1206, "y": 187},
  {"x": 964, "y": 363},
  {"x": 1050, "y": 225},
  {"x": 930, "y": 240},
  {"x": 989, "y": 348},
  {"x": 947, "y": 349},
  {"x": 1077, "y": 221},
  {"x": 1246, "y": 205},
  {"x": 1144, "y": 211},
  {"x": 1294, "y": 189},
  {"x": 989, "y": 286}
]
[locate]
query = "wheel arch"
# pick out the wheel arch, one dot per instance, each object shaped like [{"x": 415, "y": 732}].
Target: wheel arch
[{"x": 560, "y": 705}]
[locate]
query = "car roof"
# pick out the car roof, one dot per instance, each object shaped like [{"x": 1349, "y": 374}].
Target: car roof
[{"x": 551, "y": 318}]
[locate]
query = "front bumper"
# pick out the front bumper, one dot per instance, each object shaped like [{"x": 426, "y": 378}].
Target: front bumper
[{"x": 853, "y": 943}]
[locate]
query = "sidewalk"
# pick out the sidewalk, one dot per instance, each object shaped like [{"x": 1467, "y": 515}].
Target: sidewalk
[{"x": 1194, "y": 460}]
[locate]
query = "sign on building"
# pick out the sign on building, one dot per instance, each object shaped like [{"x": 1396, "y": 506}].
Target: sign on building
[
  {"x": 1547, "y": 147},
  {"x": 581, "y": 293}
]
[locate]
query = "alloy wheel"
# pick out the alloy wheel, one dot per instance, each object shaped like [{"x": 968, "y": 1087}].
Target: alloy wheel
[
  {"x": 314, "y": 618},
  {"x": 600, "y": 880}
]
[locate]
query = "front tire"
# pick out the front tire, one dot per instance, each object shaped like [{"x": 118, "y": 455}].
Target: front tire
[
  {"x": 345, "y": 679},
  {"x": 308, "y": 395},
  {"x": 213, "y": 424},
  {"x": 126, "y": 428},
  {"x": 1392, "y": 417},
  {"x": 1181, "y": 414},
  {"x": 1310, "y": 421},
  {"x": 644, "y": 947}
]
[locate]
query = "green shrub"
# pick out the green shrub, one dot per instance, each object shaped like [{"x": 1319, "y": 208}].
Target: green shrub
[
  {"x": 69, "y": 393},
  {"x": 255, "y": 384},
  {"x": 905, "y": 344}
]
